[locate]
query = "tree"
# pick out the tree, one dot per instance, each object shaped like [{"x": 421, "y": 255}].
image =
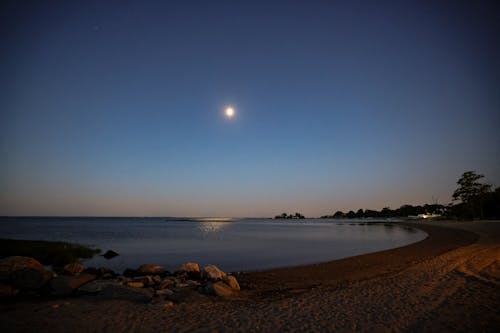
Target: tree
[
  {"x": 338, "y": 215},
  {"x": 470, "y": 190}
]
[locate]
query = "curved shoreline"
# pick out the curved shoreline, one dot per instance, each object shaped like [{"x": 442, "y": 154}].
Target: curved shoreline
[
  {"x": 450, "y": 281},
  {"x": 360, "y": 267}
]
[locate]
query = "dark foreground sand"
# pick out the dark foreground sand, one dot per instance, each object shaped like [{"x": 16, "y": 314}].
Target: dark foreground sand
[{"x": 448, "y": 282}]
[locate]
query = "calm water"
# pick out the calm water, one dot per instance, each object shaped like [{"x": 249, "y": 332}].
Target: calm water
[{"x": 233, "y": 245}]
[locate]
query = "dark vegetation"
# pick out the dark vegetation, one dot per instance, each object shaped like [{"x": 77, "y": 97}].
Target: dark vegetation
[
  {"x": 285, "y": 216},
  {"x": 56, "y": 254},
  {"x": 476, "y": 200}
]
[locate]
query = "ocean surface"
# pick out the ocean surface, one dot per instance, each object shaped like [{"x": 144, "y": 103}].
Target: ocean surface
[{"x": 231, "y": 244}]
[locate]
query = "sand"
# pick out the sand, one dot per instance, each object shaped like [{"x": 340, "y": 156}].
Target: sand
[{"x": 448, "y": 282}]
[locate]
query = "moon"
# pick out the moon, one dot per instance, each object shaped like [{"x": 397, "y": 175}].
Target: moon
[{"x": 229, "y": 112}]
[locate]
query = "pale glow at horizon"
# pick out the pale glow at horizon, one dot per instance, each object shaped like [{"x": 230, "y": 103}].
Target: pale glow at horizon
[{"x": 229, "y": 112}]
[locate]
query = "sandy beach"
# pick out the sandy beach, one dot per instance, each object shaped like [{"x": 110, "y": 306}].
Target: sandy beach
[{"x": 448, "y": 282}]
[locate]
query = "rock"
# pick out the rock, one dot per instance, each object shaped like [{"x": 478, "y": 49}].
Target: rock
[
  {"x": 213, "y": 273},
  {"x": 219, "y": 289},
  {"x": 139, "y": 295},
  {"x": 15, "y": 263},
  {"x": 156, "y": 279},
  {"x": 190, "y": 267},
  {"x": 6, "y": 290},
  {"x": 65, "y": 284},
  {"x": 164, "y": 292},
  {"x": 232, "y": 282},
  {"x": 30, "y": 279},
  {"x": 74, "y": 268},
  {"x": 147, "y": 280},
  {"x": 105, "y": 273},
  {"x": 189, "y": 270},
  {"x": 166, "y": 283},
  {"x": 151, "y": 269},
  {"x": 110, "y": 254},
  {"x": 96, "y": 286},
  {"x": 135, "y": 284},
  {"x": 193, "y": 283}
]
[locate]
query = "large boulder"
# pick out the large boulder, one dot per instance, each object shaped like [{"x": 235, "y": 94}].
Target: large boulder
[
  {"x": 73, "y": 268},
  {"x": 23, "y": 273},
  {"x": 64, "y": 285},
  {"x": 16, "y": 263},
  {"x": 146, "y": 280},
  {"x": 219, "y": 289},
  {"x": 232, "y": 282},
  {"x": 190, "y": 267},
  {"x": 30, "y": 279},
  {"x": 213, "y": 273},
  {"x": 151, "y": 269},
  {"x": 110, "y": 254},
  {"x": 166, "y": 283}
]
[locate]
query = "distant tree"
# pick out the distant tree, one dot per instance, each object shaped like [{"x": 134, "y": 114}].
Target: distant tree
[
  {"x": 338, "y": 215},
  {"x": 371, "y": 213},
  {"x": 350, "y": 214},
  {"x": 386, "y": 212},
  {"x": 298, "y": 216},
  {"x": 471, "y": 190},
  {"x": 360, "y": 213}
]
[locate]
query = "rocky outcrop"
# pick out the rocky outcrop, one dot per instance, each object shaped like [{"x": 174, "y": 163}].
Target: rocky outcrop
[
  {"x": 213, "y": 273},
  {"x": 110, "y": 254},
  {"x": 147, "y": 283},
  {"x": 15, "y": 263},
  {"x": 73, "y": 268},
  {"x": 30, "y": 279},
  {"x": 23, "y": 273},
  {"x": 151, "y": 269},
  {"x": 190, "y": 267},
  {"x": 232, "y": 282},
  {"x": 219, "y": 289}
]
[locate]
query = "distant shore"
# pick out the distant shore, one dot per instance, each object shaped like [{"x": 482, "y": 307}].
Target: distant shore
[{"x": 449, "y": 281}]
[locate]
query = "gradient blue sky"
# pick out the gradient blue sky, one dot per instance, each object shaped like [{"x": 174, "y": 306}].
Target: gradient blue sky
[{"x": 116, "y": 107}]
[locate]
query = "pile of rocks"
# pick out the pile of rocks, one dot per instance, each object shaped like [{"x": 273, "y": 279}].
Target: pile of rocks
[{"x": 26, "y": 276}]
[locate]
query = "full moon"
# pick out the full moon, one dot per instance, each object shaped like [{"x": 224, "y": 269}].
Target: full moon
[{"x": 229, "y": 112}]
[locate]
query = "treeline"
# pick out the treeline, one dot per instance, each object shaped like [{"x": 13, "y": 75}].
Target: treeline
[
  {"x": 475, "y": 200},
  {"x": 386, "y": 212},
  {"x": 286, "y": 216}
]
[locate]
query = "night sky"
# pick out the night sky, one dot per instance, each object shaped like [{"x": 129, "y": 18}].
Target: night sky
[{"x": 117, "y": 107}]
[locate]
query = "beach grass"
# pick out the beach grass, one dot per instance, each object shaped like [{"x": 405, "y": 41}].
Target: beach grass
[{"x": 52, "y": 253}]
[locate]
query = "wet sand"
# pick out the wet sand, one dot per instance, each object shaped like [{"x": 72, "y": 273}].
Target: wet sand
[{"x": 448, "y": 282}]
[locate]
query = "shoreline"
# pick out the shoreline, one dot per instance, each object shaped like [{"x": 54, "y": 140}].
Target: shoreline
[
  {"x": 449, "y": 281},
  {"x": 364, "y": 266}
]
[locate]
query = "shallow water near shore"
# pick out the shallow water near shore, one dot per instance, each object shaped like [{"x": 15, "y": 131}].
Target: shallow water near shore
[{"x": 231, "y": 244}]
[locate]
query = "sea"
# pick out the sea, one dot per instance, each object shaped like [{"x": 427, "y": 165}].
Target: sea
[{"x": 232, "y": 244}]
